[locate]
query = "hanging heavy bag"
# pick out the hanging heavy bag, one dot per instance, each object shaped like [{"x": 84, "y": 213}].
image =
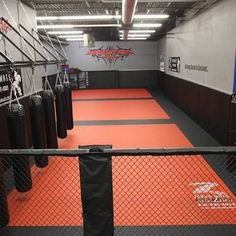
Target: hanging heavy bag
[
  {"x": 18, "y": 140},
  {"x": 68, "y": 101},
  {"x": 4, "y": 213},
  {"x": 61, "y": 111},
  {"x": 50, "y": 123},
  {"x": 38, "y": 128}
]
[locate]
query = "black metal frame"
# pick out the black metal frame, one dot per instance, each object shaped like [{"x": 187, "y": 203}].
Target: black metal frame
[
  {"x": 32, "y": 36},
  {"x": 41, "y": 36},
  {"x": 121, "y": 152},
  {"x": 10, "y": 64}
]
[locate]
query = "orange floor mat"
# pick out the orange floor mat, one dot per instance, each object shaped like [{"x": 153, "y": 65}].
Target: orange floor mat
[
  {"x": 118, "y": 110},
  {"x": 163, "y": 191},
  {"x": 110, "y": 93},
  {"x": 54, "y": 200},
  {"x": 127, "y": 136},
  {"x": 147, "y": 190}
]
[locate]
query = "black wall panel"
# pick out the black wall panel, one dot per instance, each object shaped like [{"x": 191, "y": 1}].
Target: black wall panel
[
  {"x": 122, "y": 79},
  {"x": 232, "y": 125},
  {"x": 160, "y": 80},
  {"x": 103, "y": 79},
  {"x": 138, "y": 79},
  {"x": 208, "y": 107}
]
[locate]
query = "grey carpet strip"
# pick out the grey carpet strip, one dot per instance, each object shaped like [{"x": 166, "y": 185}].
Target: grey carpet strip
[
  {"x": 207, "y": 230},
  {"x": 122, "y": 122},
  {"x": 110, "y": 99}
]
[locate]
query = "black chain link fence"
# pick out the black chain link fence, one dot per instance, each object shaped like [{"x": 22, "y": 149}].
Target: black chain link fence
[{"x": 153, "y": 194}]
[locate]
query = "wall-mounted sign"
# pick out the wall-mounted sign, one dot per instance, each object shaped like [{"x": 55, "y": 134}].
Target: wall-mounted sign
[
  {"x": 162, "y": 66},
  {"x": 174, "y": 64},
  {"x": 196, "y": 67},
  {"x": 110, "y": 55},
  {"x": 8, "y": 79}
]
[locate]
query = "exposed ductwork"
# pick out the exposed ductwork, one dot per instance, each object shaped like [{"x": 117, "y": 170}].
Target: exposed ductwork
[{"x": 128, "y": 10}]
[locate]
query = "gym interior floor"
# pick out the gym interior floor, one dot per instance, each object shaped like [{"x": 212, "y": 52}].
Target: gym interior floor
[{"x": 128, "y": 118}]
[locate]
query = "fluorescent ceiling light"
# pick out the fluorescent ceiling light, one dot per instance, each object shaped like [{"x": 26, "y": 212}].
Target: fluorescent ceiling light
[
  {"x": 151, "y": 25},
  {"x": 162, "y": 16},
  {"x": 75, "y": 39},
  {"x": 140, "y": 31},
  {"x": 85, "y": 17},
  {"x": 141, "y": 38},
  {"x": 138, "y": 35},
  {"x": 66, "y": 32},
  {"x": 76, "y": 26},
  {"x": 47, "y": 18},
  {"x": 71, "y": 36},
  {"x": 54, "y": 26},
  {"x": 90, "y": 17},
  {"x": 98, "y": 25}
]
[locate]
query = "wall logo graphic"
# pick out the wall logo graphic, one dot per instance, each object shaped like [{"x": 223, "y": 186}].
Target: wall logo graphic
[
  {"x": 10, "y": 79},
  {"x": 110, "y": 55},
  {"x": 209, "y": 195},
  {"x": 174, "y": 64},
  {"x": 4, "y": 27}
]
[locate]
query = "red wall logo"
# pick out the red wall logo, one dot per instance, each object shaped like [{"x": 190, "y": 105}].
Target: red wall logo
[
  {"x": 4, "y": 27},
  {"x": 110, "y": 55}
]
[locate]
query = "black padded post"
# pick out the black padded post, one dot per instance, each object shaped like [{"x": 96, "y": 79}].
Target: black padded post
[
  {"x": 96, "y": 192},
  {"x": 18, "y": 140},
  {"x": 4, "y": 213},
  {"x": 50, "y": 120}
]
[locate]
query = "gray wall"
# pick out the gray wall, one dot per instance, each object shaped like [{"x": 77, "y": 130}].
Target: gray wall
[
  {"x": 144, "y": 58},
  {"x": 207, "y": 40},
  {"x": 20, "y": 17}
]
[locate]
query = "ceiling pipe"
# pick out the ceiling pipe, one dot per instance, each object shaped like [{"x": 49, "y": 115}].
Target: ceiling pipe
[{"x": 128, "y": 10}]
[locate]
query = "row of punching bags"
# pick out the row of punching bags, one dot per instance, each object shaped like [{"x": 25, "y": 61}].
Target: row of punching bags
[{"x": 44, "y": 132}]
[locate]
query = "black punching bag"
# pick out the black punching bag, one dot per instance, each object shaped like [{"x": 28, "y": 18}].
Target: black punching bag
[
  {"x": 69, "y": 111},
  {"x": 4, "y": 214},
  {"x": 61, "y": 111},
  {"x": 38, "y": 128},
  {"x": 50, "y": 122},
  {"x": 18, "y": 140}
]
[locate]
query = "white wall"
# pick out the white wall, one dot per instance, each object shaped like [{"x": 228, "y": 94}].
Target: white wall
[
  {"x": 19, "y": 16},
  {"x": 207, "y": 40},
  {"x": 144, "y": 58}
]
